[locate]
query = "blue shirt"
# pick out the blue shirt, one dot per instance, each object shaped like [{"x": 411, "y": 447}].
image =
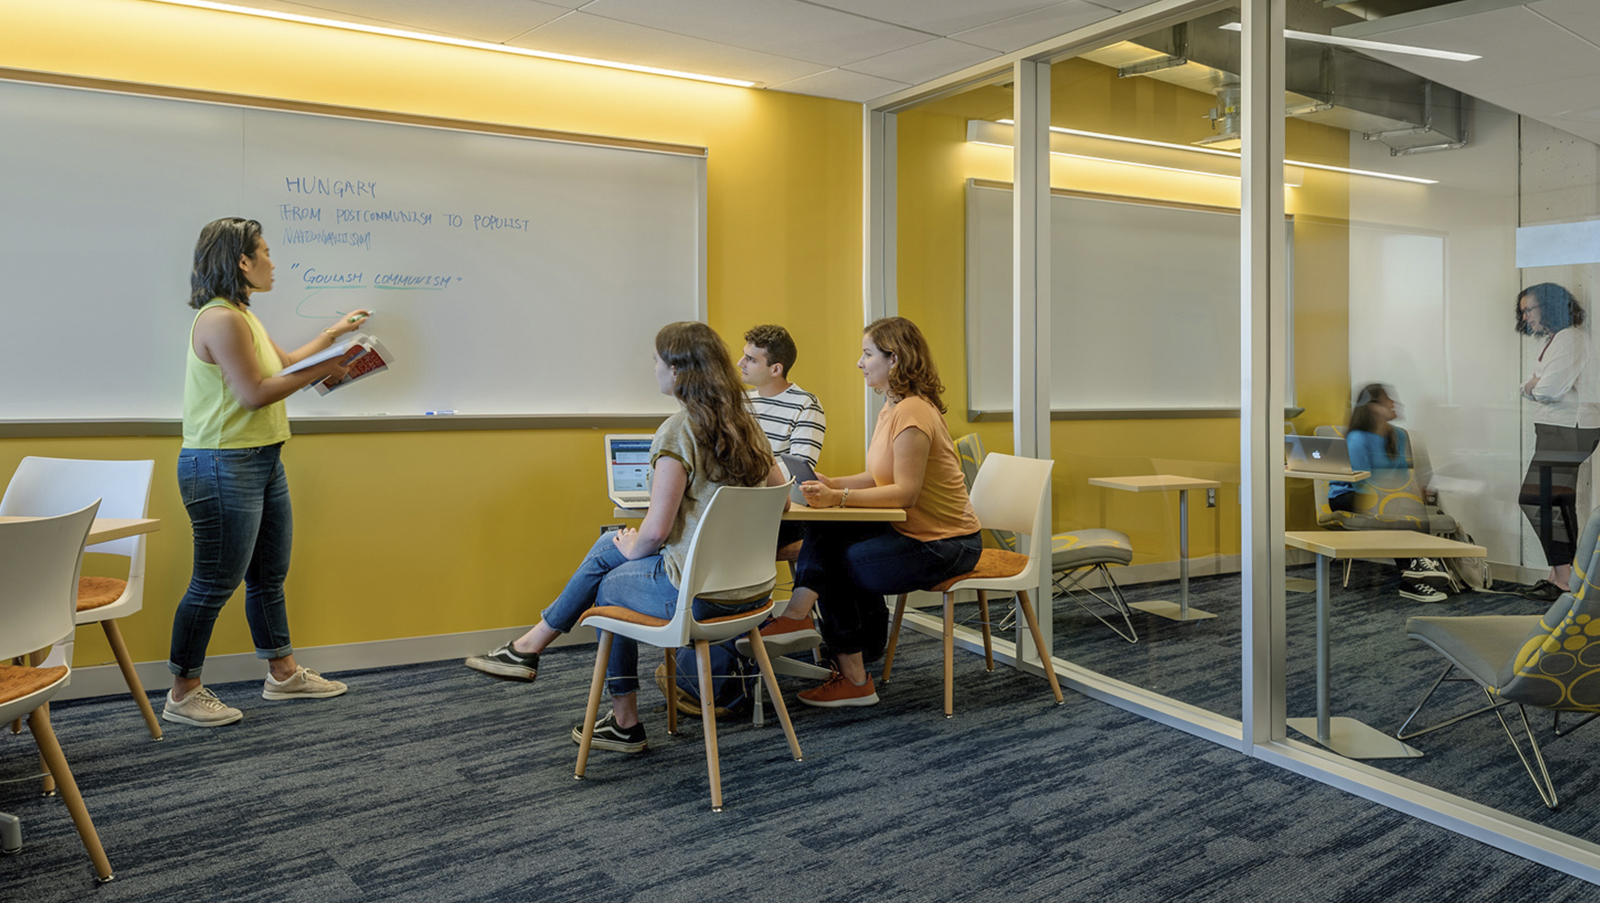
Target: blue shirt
[{"x": 1367, "y": 452}]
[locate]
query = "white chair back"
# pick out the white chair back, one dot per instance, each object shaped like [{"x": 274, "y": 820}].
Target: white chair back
[
  {"x": 732, "y": 547},
  {"x": 1010, "y": 494},
  {"x": 39, "y": 563},
  {"x": 45, "y": 487}
]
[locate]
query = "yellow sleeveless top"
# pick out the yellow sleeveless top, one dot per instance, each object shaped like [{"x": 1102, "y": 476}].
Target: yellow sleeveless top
[{"x": 212, "y": 417}]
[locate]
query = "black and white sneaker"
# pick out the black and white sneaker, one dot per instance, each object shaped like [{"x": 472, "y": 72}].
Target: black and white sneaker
[
  {"x": 507, "y": 662},
  {"x": 1430, "y": 571},
  {"x": 1420, "y": 592},
  {"x": 608, "y": 736}
]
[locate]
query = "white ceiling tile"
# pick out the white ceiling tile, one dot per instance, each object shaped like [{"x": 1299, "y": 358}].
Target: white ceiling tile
[
  {"x": 1518, "y": 48},
  {"x": 493, "y": 21},
  {"x": 1581, "y": 17},
  {"x": 843, "y": 85},
  {"x": 581, "y": 34},
  {"x": 783, "y": 27},
  {"x": 1031, "y": 28},
  {"x": 924, "y": 61},
  {"x": 936, "y": 17}
]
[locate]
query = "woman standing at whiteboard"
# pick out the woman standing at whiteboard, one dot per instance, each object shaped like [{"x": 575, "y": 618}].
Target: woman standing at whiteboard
[
  {"x": 711, "y": 442},
  {"x": 911, "y": 464},
  {"x": 231, "y": 475},
  {"x": 1566, "y": 424}
]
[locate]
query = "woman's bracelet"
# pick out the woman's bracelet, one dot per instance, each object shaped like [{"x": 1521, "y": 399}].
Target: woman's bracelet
[
  {"x": 844, "y": 498},
  {"x": 332, "y": 336}
]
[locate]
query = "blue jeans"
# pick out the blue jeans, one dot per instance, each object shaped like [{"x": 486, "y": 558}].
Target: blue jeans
[
  {"x": 607, "y": 578},
  {"x": 238, "y": 501},
  {"x": 852, "y": 566}
]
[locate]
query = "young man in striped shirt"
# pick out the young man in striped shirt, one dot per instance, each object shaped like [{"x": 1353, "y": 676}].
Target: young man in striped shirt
[{"x": 794, "y": 424}]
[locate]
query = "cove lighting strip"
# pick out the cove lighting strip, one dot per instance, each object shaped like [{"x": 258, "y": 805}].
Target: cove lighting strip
[
  {"x": 1363, "y": 44},
  {"x": 453, "y": 42},
  {"x": 1235, "y": 155}
]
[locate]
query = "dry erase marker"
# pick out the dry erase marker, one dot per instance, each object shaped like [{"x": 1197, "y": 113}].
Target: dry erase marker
[
  {"x": 437, "y": 413},
  {"x": 357, "y": 318}
]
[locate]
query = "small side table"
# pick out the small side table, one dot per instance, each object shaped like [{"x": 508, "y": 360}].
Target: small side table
[
  {"x": 1304, "y": 584},
  {"x": 1164, "y": 483}
]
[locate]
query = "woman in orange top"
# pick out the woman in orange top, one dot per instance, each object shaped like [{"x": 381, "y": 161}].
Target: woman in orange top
[{"x": 911, "y": 464}]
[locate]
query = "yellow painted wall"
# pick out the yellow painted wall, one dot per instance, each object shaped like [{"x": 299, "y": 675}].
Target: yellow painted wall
[
  {"x": 935, "y": 160},
  {"x": 412, "y": 534}
]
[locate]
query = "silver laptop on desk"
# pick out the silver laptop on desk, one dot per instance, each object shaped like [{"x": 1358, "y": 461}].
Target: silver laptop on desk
[
  {"x": 628, "y": 469},
  {"x": 1317, "y": 454}
]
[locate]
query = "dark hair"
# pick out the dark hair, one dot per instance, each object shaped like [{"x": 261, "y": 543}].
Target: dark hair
[
  {"x": 216, "y": 261},
  {"x": 1363, "y": 418},
  {"x": 777, "y": 343},
  {"x": 913, "y": 372},
  {"x": 1557, "y": 308},
  {"x": 733, "y": 449}
]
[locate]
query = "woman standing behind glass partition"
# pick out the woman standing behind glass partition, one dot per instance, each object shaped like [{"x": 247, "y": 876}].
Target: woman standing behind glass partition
[{"x": 1566, "y": 424}]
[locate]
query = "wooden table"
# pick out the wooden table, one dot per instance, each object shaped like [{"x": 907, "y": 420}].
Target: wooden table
[
  {"x": 106, "y": 529},
  {"x": 802, "y": 513},
  {"x": 1300, "y": 584},
  {"x": 1163, "y": 483},
  {"x": 1349, "y": 736}
]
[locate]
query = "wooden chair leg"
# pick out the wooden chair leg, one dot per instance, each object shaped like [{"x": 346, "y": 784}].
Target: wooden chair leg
[
  {"x": 602, "y": 657},
  {"x": 125, "y": 662},
  {"x": 771, "y": 679},
  {"x": 1038, "y": 642},
  {"x": 949, "y": 655},
  {"x": 47, "y": 782},
  {"x": 50, "y": 750},
  {"x": 672, "y": 692},
  {"x": 894, "y": 636},
  {"x": 988, "y": 641},
  {"x": 708, "y": 720}
]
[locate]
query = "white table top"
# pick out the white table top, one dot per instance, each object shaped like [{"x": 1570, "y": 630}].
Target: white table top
[
  {"x": 1153, "y": 483},
  {"x": 801, "y": 513},
  {"x": 106, "y": 529},
  {"x": 1380, "y": 544}
]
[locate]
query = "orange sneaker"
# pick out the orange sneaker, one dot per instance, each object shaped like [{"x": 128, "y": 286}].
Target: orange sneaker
[
  {"x": 838, "y": 692},
  {"x": 782, "y": 636}
]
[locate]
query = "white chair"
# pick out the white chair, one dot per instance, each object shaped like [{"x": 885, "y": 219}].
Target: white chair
[
  {"x": 731, "y": 548},
  {"x": 39, "y": 563},
  {"x": 51, "y": 486},
  {"x": 1009, "y": 494}
]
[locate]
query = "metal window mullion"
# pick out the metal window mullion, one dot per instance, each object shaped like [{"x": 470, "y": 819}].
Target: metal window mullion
[
  {"x": 1030, "y": 296},
  {"x": 879, "y": 296},
  {"x": 1263, "y": 344}
]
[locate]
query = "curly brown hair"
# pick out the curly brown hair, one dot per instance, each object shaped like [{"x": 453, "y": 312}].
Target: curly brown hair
[
  {"x": 913, "y": 371},
  {"x": 777, "y": 343},
  {"x": 733, "y": 448}
]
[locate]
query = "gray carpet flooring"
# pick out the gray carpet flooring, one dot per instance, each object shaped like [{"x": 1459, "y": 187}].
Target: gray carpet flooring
[{"x": 435, "y": 783}]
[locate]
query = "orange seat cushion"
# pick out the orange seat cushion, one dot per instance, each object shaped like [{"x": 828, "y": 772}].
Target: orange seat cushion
[
  {"x": 629, "y": 616},
  {"x": 992, "y": 565},
  {"x": 17, "y": 681},
  {"x": 98, "y": 592}
]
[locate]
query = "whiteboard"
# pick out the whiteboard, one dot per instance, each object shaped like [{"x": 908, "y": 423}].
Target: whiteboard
[
  {"x": 1144, "y": 304},
  {"x": 509, "y": 275}
]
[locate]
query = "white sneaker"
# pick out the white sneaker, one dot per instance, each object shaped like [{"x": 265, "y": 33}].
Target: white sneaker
[
  {"x": 200, "y": 708},
  {"x": 302, "y": 684}
]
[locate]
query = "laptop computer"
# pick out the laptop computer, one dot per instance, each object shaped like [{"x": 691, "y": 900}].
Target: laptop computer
[
  {"x": 628, "y": 469},
  {"x": 1317, "y": 454}
]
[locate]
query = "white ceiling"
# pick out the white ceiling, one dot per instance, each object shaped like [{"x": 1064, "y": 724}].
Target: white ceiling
[
  {"x": 1541, "y": 58},
  {"x": 853, "y": 50}
]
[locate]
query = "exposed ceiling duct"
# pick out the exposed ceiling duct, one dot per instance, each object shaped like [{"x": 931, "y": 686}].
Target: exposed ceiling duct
[{"x": 1327, "y": 85}]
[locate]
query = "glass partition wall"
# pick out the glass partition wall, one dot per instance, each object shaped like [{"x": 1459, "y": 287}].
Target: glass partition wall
[{"x": 1371, "y": 300}]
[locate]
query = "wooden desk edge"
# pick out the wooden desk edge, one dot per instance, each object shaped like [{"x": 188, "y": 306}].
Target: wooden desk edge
[
  {"x": 872, "y": 515},
  {"x": 1314, "y": 541},
  {"x": 1354, "y": 476},
  {"x": 1125, "y": 486}
]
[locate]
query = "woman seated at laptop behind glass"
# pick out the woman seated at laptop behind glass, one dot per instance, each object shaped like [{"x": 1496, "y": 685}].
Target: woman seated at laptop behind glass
[
  {"x": 1376, "y": 446},
  {"x": 713, "y": 441}
]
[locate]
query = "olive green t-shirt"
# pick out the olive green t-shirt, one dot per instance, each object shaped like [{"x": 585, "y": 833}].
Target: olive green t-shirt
[{"x": 676, "y": 440}]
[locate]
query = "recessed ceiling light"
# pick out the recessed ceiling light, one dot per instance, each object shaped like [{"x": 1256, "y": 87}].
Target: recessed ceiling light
[
  {"x": 454, "y": 42},
  {"x": 1362, "y": 44}
]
